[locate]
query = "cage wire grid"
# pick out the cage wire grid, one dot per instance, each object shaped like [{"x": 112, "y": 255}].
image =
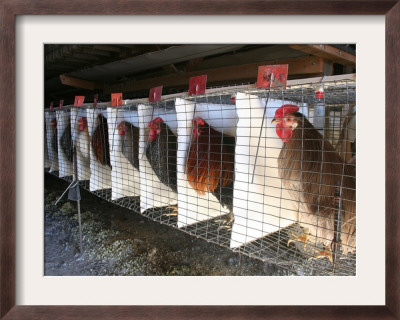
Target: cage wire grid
[{"x": 138, "y": 156}]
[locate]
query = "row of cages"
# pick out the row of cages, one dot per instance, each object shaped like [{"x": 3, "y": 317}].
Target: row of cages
[{"x": 269, "y": 173}]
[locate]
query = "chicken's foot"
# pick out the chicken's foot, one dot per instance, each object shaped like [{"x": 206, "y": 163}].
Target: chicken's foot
[
  {"x": 227, "y": 221},
  {"x": 174, "y": 211},
  {"x": 327, "y": 252},
  {"x": 301, "y": 237}
]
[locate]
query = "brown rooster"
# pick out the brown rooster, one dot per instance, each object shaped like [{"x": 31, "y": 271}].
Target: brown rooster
[
  {"x": 66, "y": 141},
  {"x": 313, "y": 171},
  {"x": 210, "y": 165},
  {"x": 100, "y": 144},
  {"x": 54, "y": 142},
  {"x": 83, "y": 141},
  {"x": 130, "y": 142}
]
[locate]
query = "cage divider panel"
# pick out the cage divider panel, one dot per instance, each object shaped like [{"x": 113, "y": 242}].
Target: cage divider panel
[
  {"x": 132, "y": 117},
  {"x": 352, "y": 127},
  {"x": 46, "y": 149},
  {"x": 100, "y": 174},
  {"x": 82, "y": 142},
  {"x": 262, "y": 206},
  {"x": 124, "y": 177},
  {"x": 153, "y": 193},
  {"x": 53, "y": 157},
  {"x": 193, "y": 207},
  {"x": 65, "y": 166}
]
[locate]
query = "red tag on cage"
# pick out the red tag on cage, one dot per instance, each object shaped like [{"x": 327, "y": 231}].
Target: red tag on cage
[
  {"x": 96, "y": 96},
  {"x": 319, "y": 93},
  {"x": 61, "y": 104},
  {"x": 155, "y": 94},
  {"x": 51, "y": 105},
  {"x": 79, "y": 101},
  {"x": 116, "y": 99},
  {"x": 197, "y": 85},
  {"x": 272, "y": 76}
]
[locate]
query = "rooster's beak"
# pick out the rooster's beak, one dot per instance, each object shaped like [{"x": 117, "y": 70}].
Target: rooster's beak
[{"x": 274, "y": 120}]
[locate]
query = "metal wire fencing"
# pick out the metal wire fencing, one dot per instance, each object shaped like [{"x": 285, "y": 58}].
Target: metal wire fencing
[{"x": 266, "y": 172}]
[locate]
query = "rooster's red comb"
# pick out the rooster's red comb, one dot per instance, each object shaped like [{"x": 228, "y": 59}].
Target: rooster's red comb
[
  {"x": 156, "y": 120},
  {"x": 286, "y": 109},
  {"x": 199, "y": 121}
]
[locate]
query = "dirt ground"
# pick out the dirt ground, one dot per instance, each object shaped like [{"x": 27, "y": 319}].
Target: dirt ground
[{"x": 118, "y": 241}]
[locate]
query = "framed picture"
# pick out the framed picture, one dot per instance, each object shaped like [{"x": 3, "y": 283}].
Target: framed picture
[{"x": 12, "y": 181}]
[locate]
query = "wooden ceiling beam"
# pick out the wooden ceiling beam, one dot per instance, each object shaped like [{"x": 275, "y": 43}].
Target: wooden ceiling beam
[
  {"x": 107, "y": 47},
  {"x": 58, "y": 67},
  {"x": 193, "y": 64},
  {"x": 83, "y": 56},
  {"x": 297, "y": 66},
  {"x": 170, "y": 68},
  {"x": 57, "y": 54},
  {"x": 327, "y": 52},
  {"x": 96, "y": 52},
  {"x": 79, "y": 83}
]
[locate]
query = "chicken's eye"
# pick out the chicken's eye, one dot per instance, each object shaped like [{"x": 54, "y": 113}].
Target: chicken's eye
[{"x": 290, "y": 122}]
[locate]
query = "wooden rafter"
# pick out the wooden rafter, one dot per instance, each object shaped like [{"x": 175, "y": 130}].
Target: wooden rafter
[
  {"x": 327, "y": 52},
  {"x": 297, "y": 66},
  {"x": 193, "y": 64},
  {"x": 79, "y": 83}
]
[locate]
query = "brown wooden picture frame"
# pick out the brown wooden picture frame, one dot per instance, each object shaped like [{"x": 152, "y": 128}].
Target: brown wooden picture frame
[{"x": 9, "y": 9}]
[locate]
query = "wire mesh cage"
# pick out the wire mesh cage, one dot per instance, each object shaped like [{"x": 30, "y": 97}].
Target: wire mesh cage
[{"x": 266, "y": 172}]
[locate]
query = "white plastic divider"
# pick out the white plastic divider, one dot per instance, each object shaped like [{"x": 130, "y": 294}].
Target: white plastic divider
[
  {"x": 64, "y": 165},
  {"x": 153, "y": 193},
  {"x": 53, "y": 157},
  {"x": 193, "y": 207},
  {"x": 100, "y": 174},
  {"x": 46, "y": 149},
  {"x": 125, "y": 179},
  {"x": 352, "y": 127},
  {"x": 262, "y": 205},
  {"x": 82, "y": 142}
]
